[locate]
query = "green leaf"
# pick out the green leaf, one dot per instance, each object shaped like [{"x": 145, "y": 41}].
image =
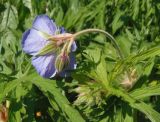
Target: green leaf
[
  {"x": 8, "y": 88},
  {"x": 117, "y": 22},
  {"x": 118, "y": 116},
  {"x": 127, "y": 113},
  {"x": 110, "y": 52},
  {"x": 146, "y": 92},
  {"x": 144, "y": 55},
  {"x": 135, "y": 9},
  {"x": 14, "y": 116},
  {"x": 147, "y": 69},
  {"x": 52, "y": 102},
  {"x": 125, "y": 44},
  {"x": 2, "y": 87},
  {"x": 153, "y": 115},
  {"x": 50, "y": 86},
  {"x": 11, "y": 85},
  {"x": 139, "y": 105},
  {"x": 10, "y": 17},
  {"x": 100, "y": 71},
  {"x": 93, "y": 53},
  {"x": 28, "y": 4},
  {"x": 9, "y": 40}
]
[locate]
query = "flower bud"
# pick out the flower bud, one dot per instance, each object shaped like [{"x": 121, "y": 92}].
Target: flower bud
[
  {"x": 62, "y": 61},
  {"x": 129, "y": 79}
]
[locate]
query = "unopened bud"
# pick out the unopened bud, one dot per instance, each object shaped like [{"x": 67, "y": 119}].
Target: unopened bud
[
  {"x": 62, "y": 61},
  {"x": 129, "y": 79}
]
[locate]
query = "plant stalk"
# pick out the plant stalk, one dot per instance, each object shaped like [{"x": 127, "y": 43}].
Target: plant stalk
[{"x": 109, "y": 36}]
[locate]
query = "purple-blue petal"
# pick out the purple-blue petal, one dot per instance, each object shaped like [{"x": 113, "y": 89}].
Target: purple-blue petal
[
  {"x": 72, "y": 65},
  {"x": 62, "y": 30},
  {"x": 73, "y": 47},
  {"x": 32, "y": 42},
  {"x": 44, "y": 24},
  {"x": 45, "y": 65}
]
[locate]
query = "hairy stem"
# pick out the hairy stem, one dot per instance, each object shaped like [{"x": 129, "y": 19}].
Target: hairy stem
[{"x": 103, "y": 32}]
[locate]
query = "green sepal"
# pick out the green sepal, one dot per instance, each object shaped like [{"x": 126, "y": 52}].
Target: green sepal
[
  {"x": 44, "y": 35},
  {"x": 48, "y": 49}
]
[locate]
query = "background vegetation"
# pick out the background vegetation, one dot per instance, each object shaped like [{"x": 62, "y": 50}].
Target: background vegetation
[{"x": 98, "y": 90}]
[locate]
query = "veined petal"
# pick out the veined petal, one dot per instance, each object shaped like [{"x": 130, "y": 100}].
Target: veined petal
[
  {"x": 72, "y": 65},
  {"x": 45, "y": 65},
  {"x": 35, "y": 42},
  {"x": 32, "y": 42},
  {"x": 44, "y": 24}
]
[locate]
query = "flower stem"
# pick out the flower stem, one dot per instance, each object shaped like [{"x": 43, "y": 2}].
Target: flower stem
[
  {"x": 103, "y": 32},
  {"x": 109, "y": 36}
]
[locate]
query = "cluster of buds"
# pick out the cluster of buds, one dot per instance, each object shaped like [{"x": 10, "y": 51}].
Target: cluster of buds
[
  {"x": 129, "y": 79},
  {"x": 90, "y": 94},
  {"x": 60, "y": 44},
  {"x": 63, "y": 59}
]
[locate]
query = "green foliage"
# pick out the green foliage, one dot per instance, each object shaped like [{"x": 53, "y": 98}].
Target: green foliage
[{"x": 104, "y": 87}]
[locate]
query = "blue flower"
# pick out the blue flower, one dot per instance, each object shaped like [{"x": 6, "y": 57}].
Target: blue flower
[{"x": 48, "y": 46}]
